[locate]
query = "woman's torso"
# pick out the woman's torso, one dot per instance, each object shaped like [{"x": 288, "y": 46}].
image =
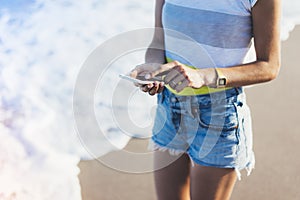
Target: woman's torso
[{"x": 220, "y": 31}]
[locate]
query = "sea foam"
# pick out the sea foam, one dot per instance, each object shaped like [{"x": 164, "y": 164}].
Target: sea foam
[{"x": 43, "y": 45}]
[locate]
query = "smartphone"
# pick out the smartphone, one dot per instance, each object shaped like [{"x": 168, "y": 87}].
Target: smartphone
[{"x": 135, "y": 80}]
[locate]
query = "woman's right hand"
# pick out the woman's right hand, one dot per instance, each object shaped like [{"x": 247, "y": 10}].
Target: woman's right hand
[{"x": 141, "y": 71}]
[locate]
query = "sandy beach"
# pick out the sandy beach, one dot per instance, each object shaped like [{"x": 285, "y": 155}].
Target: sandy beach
[{"x": 275, "y": 112}]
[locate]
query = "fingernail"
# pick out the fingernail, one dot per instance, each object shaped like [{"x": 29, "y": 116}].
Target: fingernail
[{"x": 147, "y": 76}]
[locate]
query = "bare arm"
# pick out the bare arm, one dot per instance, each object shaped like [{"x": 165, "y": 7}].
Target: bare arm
[
  {"x": 266, "y": 28},
  {"x": 155, "y": 53}
]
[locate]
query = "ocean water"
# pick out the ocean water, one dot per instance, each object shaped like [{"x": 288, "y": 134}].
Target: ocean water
[{"x": 43, "y": 45}]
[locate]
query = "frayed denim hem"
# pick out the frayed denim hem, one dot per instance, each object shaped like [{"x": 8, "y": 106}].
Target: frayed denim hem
[
  {"x": 249, "y": 167},
  {"x": 153, "y": 146}
]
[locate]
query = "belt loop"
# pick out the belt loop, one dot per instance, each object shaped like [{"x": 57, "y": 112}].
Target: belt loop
[
  {"x": 190, "y": 108},
  {"x": 238, "y": 90},
  {"x": 240, "y": 96}
]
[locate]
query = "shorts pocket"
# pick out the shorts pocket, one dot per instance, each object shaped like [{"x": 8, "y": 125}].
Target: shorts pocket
[{"x": 219, "y": 116}]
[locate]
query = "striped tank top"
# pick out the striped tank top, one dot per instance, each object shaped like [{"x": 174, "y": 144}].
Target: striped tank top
[{"x": 208, "y": 33}]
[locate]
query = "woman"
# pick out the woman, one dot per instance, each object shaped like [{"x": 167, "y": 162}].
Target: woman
[{"x": 213, "y": 153}]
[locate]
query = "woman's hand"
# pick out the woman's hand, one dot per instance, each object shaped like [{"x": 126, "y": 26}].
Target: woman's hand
[
  {"x": 177, "y": 75},
  {"x": 141, "y": 71}
]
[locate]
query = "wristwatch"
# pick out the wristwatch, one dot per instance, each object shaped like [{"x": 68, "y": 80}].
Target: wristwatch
[{"x": 221, "y": 79}]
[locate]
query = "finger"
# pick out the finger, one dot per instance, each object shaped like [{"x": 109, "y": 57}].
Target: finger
[
  {"x": 179, "y": 68},
  {"x": 146, "y": 88},
  {"x": 180, "y": 78},
  {"x": 171, "y": 75},
  {"x": 172, "y": 64},
  {"x": 161, "y": 87},
  {"x": 161, "y": 69},
  {"x": 154, "y": 89},
  {"x": 182, "y": 85},
  {"x": 141, "y": 75},
  {"x": 139, "y": 69},
  {"x": 133, "y": 73},
  {"x": 176, "y": 80}
]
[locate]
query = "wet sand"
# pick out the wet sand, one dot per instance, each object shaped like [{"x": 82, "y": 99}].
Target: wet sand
[{"x": 276, "y": 123}]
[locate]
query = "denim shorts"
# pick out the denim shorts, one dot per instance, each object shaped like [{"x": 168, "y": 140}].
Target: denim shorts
[{"x": 213, "y": 129}]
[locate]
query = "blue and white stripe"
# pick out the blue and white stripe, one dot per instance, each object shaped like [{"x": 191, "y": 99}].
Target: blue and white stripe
[{"x": 222, "y": 28}]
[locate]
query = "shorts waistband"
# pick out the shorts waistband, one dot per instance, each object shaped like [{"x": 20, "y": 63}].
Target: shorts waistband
[
  {"x": 230, "y": 92},
  {"x": 188, "y": 91}
]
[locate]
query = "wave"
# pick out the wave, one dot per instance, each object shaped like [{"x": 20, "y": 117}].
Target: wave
[{"x": 43, "y": 44}]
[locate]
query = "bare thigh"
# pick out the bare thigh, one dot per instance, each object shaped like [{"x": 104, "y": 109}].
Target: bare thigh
[
  {"x": 210, "y": 183},
  {"x": 173, "y": 181}
]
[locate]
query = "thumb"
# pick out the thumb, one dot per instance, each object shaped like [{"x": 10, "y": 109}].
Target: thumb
[
  {"x": 148, "y": 76},
  {"x": 133, "y": 73},
  {"x": 137, "y": 70}
]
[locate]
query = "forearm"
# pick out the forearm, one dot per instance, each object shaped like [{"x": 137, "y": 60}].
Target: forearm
[
  {"x": 253, "y": 73},
  {"x": 242, "y": 75}
]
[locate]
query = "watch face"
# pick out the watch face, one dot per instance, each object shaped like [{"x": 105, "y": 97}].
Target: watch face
[{"x": 222, "y": 81}]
